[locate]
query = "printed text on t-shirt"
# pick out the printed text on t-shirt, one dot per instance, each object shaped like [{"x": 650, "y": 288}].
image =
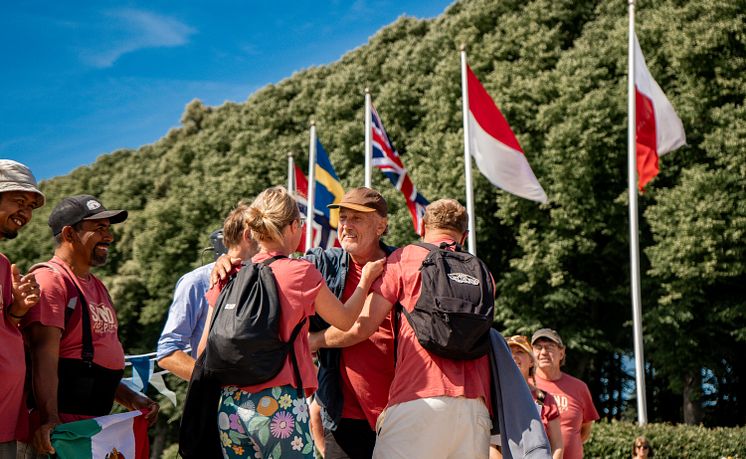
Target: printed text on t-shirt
[{"x": 102, "y": 318}]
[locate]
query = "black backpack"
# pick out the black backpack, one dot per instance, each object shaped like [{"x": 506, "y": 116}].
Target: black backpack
[
  {"x": 453, "y": 316},
  {"x": 243, "y": 349},
  {"x": 243, "y": 345}
]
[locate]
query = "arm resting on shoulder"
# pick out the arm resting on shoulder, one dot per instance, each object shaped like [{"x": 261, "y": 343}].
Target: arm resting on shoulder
[
  {"x": 343, "y": 316},
  {"x": 374, "y": 312}
]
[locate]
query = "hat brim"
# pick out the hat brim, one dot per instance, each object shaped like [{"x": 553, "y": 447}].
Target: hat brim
[
  {"x": 114, "y": 216},
  {"x": 23, "y": 187},
  {"x": 546, "y": 336},
  {"x": 525, "y": 349},
  {"x": 348, "y": 205}
]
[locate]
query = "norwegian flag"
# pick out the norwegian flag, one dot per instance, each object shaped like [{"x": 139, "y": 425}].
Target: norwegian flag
[
  {"x": 387, "y": 159},
  {"x": 323, "y": 234}
]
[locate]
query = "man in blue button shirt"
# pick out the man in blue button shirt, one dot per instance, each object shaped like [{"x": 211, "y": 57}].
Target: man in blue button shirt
[{"x": 188, "y": 312}]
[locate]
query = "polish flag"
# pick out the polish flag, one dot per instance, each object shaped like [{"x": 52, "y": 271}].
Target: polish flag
[
  {"x": 495, "y": 148},
  {"x": 659, "y": 129}
]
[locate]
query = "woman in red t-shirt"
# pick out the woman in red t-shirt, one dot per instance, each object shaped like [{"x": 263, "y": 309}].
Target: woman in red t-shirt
[
  {"x": 271, "y": 418},
  {"x": 545, "y": 403}
]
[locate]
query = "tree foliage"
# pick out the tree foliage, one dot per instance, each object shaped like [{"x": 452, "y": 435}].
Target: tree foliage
[{"x": 557, "y": 69}]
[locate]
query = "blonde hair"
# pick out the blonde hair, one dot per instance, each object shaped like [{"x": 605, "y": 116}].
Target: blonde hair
[
  {"x": 272, "y": 210},
  {"x": 446, "y": 214},
  {"x": 643, "y": 440},
  {"x": 235, "y": 224}
]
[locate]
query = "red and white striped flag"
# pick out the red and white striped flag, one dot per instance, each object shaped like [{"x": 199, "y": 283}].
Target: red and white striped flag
[
  {"x": 495, "y": 148},
  {"x": 659, "y": 129}
]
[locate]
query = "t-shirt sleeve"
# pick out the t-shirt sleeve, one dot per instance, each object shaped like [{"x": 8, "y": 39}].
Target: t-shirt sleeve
[
  {"x": 6, "y": 282},
  {"x": 182, "y": 317},
  {"x": 551, "y": 410},
  {"x": 50, "y": 311},
  {"x": 389, "y": 285},
  {"x": 589, "y": 410},
  {"x": 312, "y": 282}
]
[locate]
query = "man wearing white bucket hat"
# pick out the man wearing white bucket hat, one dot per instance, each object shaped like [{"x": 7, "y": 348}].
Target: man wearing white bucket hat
[{"x": 19, "y": 196}]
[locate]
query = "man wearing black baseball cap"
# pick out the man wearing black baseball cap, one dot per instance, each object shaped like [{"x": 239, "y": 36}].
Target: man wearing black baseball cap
[{"x": 77, "y": 358}]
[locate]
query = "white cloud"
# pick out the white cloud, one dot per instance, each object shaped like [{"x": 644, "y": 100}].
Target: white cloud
[{"x": 135, "y": 30}]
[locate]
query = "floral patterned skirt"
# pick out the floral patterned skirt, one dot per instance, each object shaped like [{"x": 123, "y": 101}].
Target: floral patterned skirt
[{"x": 272, "y": 424}]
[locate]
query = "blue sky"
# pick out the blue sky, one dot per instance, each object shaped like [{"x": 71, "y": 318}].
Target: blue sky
[{"x": 85, "y": 78}]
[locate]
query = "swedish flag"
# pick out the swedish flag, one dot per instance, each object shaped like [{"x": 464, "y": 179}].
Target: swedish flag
[{"x": 328, "y": 188}]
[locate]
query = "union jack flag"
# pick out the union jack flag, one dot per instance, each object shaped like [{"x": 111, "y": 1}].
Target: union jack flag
[
  {"x": 387, "y": 159},
  {"x": 324, "y": 235}
]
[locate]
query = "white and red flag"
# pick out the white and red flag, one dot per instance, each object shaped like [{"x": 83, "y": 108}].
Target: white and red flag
[
  {"x": 495, "y": 148},
  {"x": 659, "y": 129}
]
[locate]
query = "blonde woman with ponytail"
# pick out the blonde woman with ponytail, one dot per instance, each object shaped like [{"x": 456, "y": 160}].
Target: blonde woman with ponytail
[{"x": 271, "y": 418}]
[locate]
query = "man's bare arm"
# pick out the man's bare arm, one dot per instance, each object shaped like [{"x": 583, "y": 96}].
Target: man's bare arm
[
  {"x": 374, "y": 312},
  {"x": 585, "y": 431},
  {"x": 45, "y": 351},
  {"x": 179, "y": 363}
]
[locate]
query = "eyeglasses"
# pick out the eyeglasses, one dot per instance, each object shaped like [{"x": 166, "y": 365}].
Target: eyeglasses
[
  {"x": 550, "y": 347},
  {"x": 301, "y": 221},
  {"x": 642, "y": 446}
]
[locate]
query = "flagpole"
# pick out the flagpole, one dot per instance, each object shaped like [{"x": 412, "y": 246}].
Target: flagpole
[
  {"x": 634, "y": 245},
  {"x": 311, "y": 186},
  {"x": 291, "y": 173},
  {"x": 467, "y": 156},
  {"x": 368, "y": 143}
]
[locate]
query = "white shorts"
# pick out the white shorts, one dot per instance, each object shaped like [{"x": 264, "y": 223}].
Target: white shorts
[{"x": 434, "y": 427}]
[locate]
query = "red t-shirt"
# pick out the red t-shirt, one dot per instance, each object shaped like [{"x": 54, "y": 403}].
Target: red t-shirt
[
  {"x": 548, "y": 410},
  {"x": 298, "y": 284},
  {"x": 420, "y": 374},
  {"x": 575, "y": 407},
  {"x": 50, "y": 312},
  {"x": 12, "y": 361},
  {"x": 367, "y": 368}
]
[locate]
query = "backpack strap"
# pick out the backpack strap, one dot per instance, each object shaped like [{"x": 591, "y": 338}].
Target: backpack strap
[
  {"x": 294, "y": 360},
  {"x": 271, "y": 260},
  {"x": 443, "y": 246},
  {"x": 291, "y": 341},
  {"x": 426, "y": 245},
  {"x": 87, "y": 336}
]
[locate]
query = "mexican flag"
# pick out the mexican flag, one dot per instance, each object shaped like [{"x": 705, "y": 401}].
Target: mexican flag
[{"x": 117, "y": 436}]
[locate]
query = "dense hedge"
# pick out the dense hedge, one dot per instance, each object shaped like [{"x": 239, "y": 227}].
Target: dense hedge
[{"x": 614, "y": 440}]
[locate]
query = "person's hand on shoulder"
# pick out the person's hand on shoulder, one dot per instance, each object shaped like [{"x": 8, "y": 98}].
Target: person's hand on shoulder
[
  {"x": 372, "y": 270},
  {"x": 223, "y": 266}
]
